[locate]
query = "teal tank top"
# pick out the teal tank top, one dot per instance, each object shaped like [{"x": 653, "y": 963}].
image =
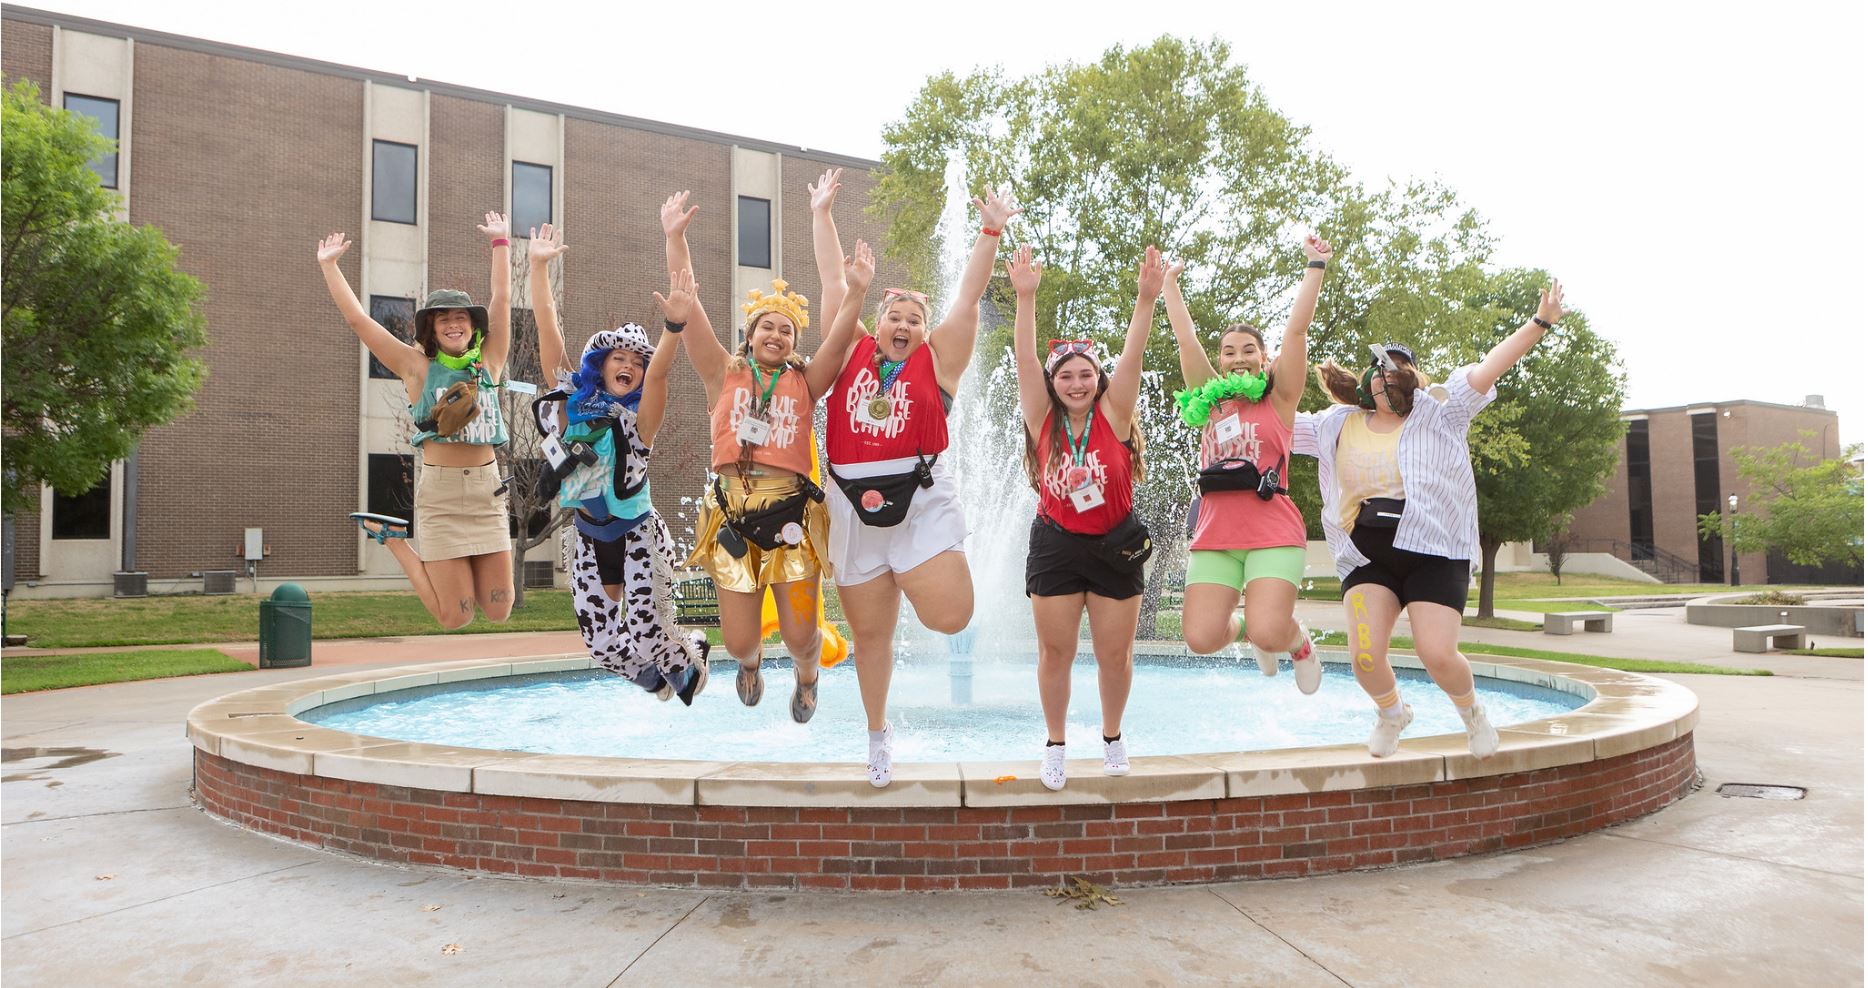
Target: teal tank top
[
  {"x": 590, "y": 481},
  {"x": 487, "y": 428}
]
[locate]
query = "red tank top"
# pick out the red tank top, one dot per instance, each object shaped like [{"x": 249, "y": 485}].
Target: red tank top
[
  {"x": 1111, "y": 473},
  {"x": 1240, "y": 519},
  {"x": 917, "y": 421}
]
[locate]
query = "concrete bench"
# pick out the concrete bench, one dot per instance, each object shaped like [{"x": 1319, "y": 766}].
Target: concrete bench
[
  {"x": 1764, "y": 637},
  {"x": 1565, "y": 622}
]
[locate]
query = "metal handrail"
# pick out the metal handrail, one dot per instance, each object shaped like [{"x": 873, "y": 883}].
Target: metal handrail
[{"x": 1673, "y": 568}]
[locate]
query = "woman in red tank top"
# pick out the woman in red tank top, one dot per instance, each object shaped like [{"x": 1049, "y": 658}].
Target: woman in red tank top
[{"x": 1082, "y": 454}]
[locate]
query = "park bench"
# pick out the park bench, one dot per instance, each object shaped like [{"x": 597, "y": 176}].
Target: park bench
[
  {"x": 697, "y": 603},
  {"x": 1565, "y": 622},
  {"x": 1764, "y": 637}
]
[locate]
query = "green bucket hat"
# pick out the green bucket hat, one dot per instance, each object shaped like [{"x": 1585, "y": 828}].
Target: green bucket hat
[{"x": 450, "y": 298}]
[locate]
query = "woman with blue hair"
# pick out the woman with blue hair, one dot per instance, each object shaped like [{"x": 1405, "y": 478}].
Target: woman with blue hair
[{"x": 596, "y": 446}]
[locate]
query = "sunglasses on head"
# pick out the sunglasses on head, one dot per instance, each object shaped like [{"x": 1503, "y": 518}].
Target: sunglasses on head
[
  {"x": 1061, "y": 349},
  {"x": 894, "y": 293}
]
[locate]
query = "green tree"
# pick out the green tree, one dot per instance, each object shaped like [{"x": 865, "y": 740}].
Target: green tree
[
  {"x": 97, "y": 321},
  {"x": 1809, "y": 512}
]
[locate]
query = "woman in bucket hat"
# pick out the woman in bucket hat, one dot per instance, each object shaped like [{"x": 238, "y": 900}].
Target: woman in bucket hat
[
  {"x": 451, "y": 373},
  {"x": 599, "y": 426}
]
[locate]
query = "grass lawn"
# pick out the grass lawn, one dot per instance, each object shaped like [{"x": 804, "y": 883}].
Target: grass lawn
[
  {"x": 26, "y": 674},
  {"x": 1404, "y": 643},
  {"x": 1834, "y": 653},
  {"x": 1500, "y": 623}
]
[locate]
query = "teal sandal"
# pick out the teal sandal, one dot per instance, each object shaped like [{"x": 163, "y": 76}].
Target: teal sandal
[
  {"x": 750, "y": 685},
  {"x": 383, "y": 532},
  {"x": 804, "y": 699}
]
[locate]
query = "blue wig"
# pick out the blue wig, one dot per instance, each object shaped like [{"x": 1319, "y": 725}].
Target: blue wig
[{"x": 591, "y": 400}]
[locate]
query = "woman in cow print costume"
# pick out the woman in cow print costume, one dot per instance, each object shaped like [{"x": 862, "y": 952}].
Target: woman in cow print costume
[{"x": 598, "y": 427}]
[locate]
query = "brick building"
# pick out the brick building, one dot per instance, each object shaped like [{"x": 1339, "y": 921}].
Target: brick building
[
  {"x": 1676, "y": 465},
  {"x": 245, "y": 158}
]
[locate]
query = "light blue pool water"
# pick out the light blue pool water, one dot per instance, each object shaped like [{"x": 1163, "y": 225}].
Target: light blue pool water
[{"x": 1178, "y": 705}]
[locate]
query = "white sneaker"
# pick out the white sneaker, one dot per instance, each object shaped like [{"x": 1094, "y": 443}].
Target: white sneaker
[
  {"x": 1387, "y": 735},
  {"x": 881, "y": 757},
  {"x": 1306, "y": 664},
  {"x": 1481, "y": 736},
  {"x": 1267, "y": 661},
  {"x": 1051, "y": 770},
  {"x": 1115, "y": 757}
]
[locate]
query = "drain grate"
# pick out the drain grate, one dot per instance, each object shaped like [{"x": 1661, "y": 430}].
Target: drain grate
[{"x": 1762, "y": 792}]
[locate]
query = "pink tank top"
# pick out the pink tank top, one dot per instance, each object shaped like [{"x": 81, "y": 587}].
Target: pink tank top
[
  {"x": 788, "y": 445},
  {"x": 1240, "y": 519}
]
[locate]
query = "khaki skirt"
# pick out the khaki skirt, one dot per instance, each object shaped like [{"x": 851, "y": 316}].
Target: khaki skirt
[
  {"x": 758, "y": 568},
  {"x": 458, "y": 514}
]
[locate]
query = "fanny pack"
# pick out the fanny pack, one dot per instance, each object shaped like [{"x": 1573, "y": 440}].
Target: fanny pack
[
  {"x": 1243, "y": 475},
  {"x": 765, "y": 527},
  {"x": 883, "y": 501},
  {"x": 457, "y": 406},
  {"x": 1124, "y": 548},
  {"x": 1380, "y": 512}
]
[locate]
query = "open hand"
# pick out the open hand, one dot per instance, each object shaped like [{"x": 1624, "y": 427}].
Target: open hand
[
  {"x": 679, "y": 304},
  {"x": 996, "y": 208},
  {"x": 859, "y": 269},
  {"x": 1153, "y": 273},
  {"x": 1550, "y": 304},
  {"x": 1317, "y": 249},
  {"x": 1171, "y": 278},
  {"x": 496, "y": 227},
  {"x": 332, "y": 247},
  {"x": 547, "y": 243},
  {"x": 676, "y": 214},
  {"x": 1025, "y": 272},
  {"x": 824, "y": 193}
]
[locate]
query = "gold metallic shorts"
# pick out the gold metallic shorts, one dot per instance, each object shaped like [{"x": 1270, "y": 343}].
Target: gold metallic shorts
[{"x": 758, "y": 568}]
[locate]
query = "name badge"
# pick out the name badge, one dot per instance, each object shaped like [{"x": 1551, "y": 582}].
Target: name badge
[
  {"x": 754, "y": 430},
  {"x": 552, "y": 448},
  {"x": 875, "y": 412},
  {"x": 1227, "y": 429},
  {"x": 522, "y": 387},
  {"x": 1086, "y": 498}
]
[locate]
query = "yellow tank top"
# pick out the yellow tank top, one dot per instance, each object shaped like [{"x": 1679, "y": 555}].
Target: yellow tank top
[{"x": 1368, "y": 464}]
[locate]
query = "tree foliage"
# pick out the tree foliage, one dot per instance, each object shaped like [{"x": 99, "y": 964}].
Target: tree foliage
[
  {"x": 97, "y": 320},
  {"x": 1809, "y": 510}
]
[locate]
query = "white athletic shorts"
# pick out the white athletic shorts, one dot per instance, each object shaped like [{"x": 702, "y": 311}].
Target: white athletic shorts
[{"x": 934, "y": 524}]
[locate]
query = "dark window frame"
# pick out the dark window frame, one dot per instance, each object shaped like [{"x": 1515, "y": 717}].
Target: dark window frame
[
  {"x": 75, "y": 518},
  {"x": 399, "y": 502},
  {"x": 763, "y": 258},
  {"x": 524, "y": 223},
  {"x": 377, "y": 185},
  {"x": 378, "y": 371},
  {"x": 1707, "y": 497},
  {"x": 115, "y": 135}
]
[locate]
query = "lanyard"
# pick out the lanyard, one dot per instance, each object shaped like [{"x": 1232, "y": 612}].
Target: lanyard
[
  {"x": 891, "y": 369},
  {"x": 1078, "y": 444},
  {"x": 765, "y": 399}
]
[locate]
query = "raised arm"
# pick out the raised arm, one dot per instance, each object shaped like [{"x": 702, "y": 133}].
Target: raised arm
[
  {"x": 1292, "y": 367},
  {"x": 1549, "y": 311},
  {"x": 826, "y": 246},
  {"x": 1125, "y": 385},
  {"x": 953, "y": 339},
  {"x": 678, "y": 307},
  {"x": 406, "y": 360},
  {"x": 858, "y": 272},
  {"x": 676, "y": 215},
  {"x": 1033, "y": 399},
  {"x": 1195, "y": 368},
  {"x": 546, "y": 245},
  {"x": 682, "y": 307},
  {"x": 498, "y": 342}
]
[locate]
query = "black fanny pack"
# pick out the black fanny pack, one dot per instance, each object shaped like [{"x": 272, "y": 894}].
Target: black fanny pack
[
  {"x": 765, "y": 527},
  {"x": 883, "y": 501},
  {"x": 1380, "y": 512},
  {"x": 1244, "y": 475},
  {"x": 1125, "y": 547}
]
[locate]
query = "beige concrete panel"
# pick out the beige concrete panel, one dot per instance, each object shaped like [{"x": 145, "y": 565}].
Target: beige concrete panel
[
  {"x": 562, "y": 663},
  {"x": 1517, "y": 752},
  {"x": 404, "y": 763},
  {"x": 290, "y": 750},
  {"x": 828, "y": 784},
  {"x": 398, "y": 114},
  {"x": 93, "y": 65},
  {"x": 533, "y": 136},
  {"x": 1326, "y": 769},
  {"x": 597, "y": 780},
  {"x": 1153, "y": 779}
]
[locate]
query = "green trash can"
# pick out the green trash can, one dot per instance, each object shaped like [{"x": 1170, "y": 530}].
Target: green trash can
[{"x": 285, "y": 628}]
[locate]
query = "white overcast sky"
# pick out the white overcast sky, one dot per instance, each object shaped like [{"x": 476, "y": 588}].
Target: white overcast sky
[{"x": 1693, "y": 172}]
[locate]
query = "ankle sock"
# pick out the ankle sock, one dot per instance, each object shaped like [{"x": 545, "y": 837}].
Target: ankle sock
[
  {"x": 875, "y": 737},
  {"x": 1390, "y": 702},
  {"x": 1464, "y": 701},
  {"x": 1053, "y": 744},
  {"x": 1109, "y": 740}
]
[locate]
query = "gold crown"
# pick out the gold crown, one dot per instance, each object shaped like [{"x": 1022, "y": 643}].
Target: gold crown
[{"x": 791, "y": 305}]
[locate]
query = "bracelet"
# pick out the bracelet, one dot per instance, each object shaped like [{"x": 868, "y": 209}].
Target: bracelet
[
  {"x": 502, "y": 242},
  {"x": 674, "y": 327},
  {"x": 989, "y": 231},
  {"x": 1541, "y": 321},
  {"x": 1319, "y": 265}
]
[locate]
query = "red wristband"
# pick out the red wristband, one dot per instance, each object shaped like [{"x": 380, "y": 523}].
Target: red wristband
[
  {"x": 502, "y": 242},
  {"x": 989, "y": 231}
]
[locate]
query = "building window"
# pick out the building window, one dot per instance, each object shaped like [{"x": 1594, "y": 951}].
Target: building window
[
  {"x": 82, "y": 516},
  {"x": 396, "y": 315},
  {"x": 1640, "y": 492},
  {"x": 531, "y": 197},
  {"x": 392, "y": 486},
  {"x": 1706, "y": 496},
  {"x": 104, "y": 113},
  {"x": 392, "y": 182},
  {"x": 755, "y": 232}
]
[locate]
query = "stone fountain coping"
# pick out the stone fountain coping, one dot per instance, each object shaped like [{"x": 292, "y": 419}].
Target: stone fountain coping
[{"x": 1625, "y": 712}]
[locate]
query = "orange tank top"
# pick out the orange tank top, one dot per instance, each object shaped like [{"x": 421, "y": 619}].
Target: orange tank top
[{"x": 787, "y": 411}]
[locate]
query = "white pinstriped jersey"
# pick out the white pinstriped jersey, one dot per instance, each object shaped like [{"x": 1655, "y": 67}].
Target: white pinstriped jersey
[{"x": 1442, "y": 516}]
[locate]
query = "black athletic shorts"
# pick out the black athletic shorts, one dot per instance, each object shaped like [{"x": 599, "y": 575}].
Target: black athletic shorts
[
  {"x": 1060, "y": 563},
  {"x": 610, "y": 559},
  {"x": 1411, "y": 576}
]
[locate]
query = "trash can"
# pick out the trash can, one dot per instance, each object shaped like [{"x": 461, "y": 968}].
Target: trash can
[{"x": 285, "y": 628}]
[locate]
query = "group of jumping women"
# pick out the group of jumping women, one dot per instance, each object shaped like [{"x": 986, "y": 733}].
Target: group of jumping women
[{"x": 1399, "y": 504}]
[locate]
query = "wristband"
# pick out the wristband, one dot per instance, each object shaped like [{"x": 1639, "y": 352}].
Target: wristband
[
  {"x": 502, "y": 242},
  {"x": 989, "y": 231},
  {"x": 674, "y": 327},
  {"x": 1541, "y": 321},
  {"x": 1319, "y": 265}
]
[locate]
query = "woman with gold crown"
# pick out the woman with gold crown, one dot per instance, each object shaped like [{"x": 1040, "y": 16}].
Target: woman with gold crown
[{"x": 763, "y": 523}]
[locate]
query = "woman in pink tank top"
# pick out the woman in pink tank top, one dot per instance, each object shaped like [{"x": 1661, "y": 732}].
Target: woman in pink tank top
[{"x": 1248, "y": 538}]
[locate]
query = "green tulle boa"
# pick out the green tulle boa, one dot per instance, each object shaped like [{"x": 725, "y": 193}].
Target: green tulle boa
[{"x": 1197, "y": 404}]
